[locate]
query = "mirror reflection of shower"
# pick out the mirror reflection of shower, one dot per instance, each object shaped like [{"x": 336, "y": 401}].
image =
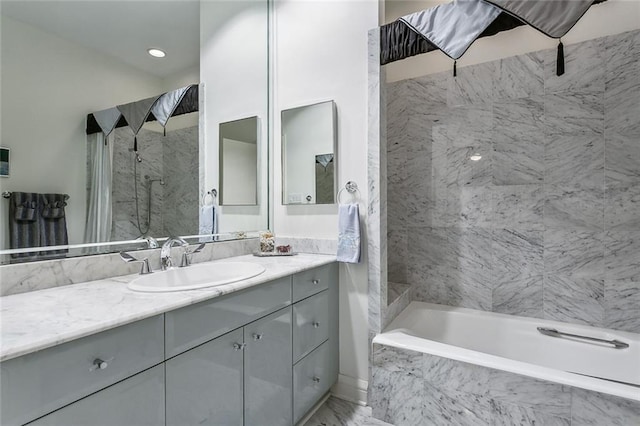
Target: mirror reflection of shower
[{"x": 148, "y": 184}]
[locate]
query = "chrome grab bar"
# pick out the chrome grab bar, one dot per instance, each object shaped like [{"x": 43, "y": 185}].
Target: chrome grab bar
[{"x": 555, "y": 333}]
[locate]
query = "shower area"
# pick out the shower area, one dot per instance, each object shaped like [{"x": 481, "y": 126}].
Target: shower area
[
  {"x": 155, "y": 191},
  {"x": 504, "y": 187}
]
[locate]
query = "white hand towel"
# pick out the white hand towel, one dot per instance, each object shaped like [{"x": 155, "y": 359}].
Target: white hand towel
[
  {"x": 348, "y": 233},
  {"x": 206, "y": 220}
]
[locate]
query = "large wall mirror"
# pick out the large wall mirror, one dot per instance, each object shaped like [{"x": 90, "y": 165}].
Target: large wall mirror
[
  {"x": 309, "y": 154},
  {"x": 66, "y": 62}
]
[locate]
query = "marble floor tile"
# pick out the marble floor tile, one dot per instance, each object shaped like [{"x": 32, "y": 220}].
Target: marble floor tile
[
  {"x": 338, "y": 412},
  {"x": 569, "y": 207},
  {"x": 621, "y": 259},
  {"x": 584, "y": 68},
  {"x": 520, "y": 76},
  {"x": 622, "y": 208},
  {"x": 622, "y": 160},
  {"x": 518, "y": 207},
  {"x": 574, "y": 253},
  {"x": 575, "y": 160},
  {"x": 517, "y": 254},
  {"x": 523, "y": 297},
  {"x": 397, "y": 398},
  {"x": 622, "y": 305}
]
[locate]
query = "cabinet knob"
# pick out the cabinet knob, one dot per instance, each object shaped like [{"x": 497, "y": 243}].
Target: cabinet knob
[
  {"x": 316, "y": 379},
  {"x": 315, "y": 324},
  {"x": 100, "y": 364},
  {"x": 257, "y": 336},
  {"x": 238, "y": 346},
  {"x": 316, "y": 282}
]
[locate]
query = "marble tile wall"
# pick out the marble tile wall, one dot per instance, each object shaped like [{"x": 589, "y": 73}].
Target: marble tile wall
[
  {"x": 174, "y": 205},
  {"x": 25, "y": 277},
  {"x": 414, "y": 388},
  {"x": 547, "y": 223}
]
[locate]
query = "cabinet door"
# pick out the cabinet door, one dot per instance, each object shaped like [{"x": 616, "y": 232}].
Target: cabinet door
[
  {"x": 139, "y": 401},
  {"x": 268, "y": 370},
  {"x": 204, "y": 385}
]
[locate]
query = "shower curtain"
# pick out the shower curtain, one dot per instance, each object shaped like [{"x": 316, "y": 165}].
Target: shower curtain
[{"x": 98, "y": 226}]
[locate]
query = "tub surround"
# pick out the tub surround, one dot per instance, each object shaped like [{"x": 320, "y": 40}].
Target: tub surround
[
  {"x": 545, "y": 224},
  {"x": 26, "y": 277},
  {"x": 70, "y": 312},
  {"x": 415, "y": 388}
]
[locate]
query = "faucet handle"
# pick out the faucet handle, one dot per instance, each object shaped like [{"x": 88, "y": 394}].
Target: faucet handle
[
  {"x": 145, "y": 267},
  {"x": 186, "y": 259}
]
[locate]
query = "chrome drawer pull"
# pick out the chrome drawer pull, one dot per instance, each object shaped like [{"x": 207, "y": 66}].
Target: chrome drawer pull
[
  {"x": 316, "y": 379},
  {"x": 238, "y": 346},
  {"x": 316, "y": 282},
  {"x": 257, "y": 336},
  {"x": 315, "y": 324},
  {"x": 555, "y": 333},
  {"x": 99, "y": 364}
]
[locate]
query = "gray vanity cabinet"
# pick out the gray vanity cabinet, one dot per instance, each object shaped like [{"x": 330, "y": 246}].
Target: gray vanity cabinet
[
  {"x": 138, "y": 400},
  {"x": 204, "y": 385},
  {"x": 268, "y": 375}
]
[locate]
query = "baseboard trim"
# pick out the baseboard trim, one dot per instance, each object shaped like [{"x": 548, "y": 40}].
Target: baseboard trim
[
  {"x": 351, "y": 389},
  {"x": 313, "y": 410}
]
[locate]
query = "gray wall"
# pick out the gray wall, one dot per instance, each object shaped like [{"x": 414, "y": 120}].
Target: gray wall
[{"x": 547, "y": 223}]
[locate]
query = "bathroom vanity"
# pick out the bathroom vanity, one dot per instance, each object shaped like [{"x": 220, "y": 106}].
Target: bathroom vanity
[{"x": 261, "y": 351}]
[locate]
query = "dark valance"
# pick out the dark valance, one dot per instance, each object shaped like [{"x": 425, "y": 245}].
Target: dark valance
[{"x": 189, "y": 103}]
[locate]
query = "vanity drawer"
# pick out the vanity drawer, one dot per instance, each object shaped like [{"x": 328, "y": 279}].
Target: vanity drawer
[
  {"x": 138, "y": 401},
  {"x": 310, "y": 324},
  {"x": 193, "y": 325},
  {"x": 311, "y": 379},
  {"x": 313, "y": 281},
  {"x": 38, "y": 383}
]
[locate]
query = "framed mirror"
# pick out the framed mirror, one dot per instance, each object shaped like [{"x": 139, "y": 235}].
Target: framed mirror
[
  {"x": 309, "y": 154},
  {"x": 239, "y": 162},
  {"x": 57, "y": 70}
]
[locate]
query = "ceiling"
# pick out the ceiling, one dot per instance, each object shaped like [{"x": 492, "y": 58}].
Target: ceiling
[{"x": 122, "y": 29}]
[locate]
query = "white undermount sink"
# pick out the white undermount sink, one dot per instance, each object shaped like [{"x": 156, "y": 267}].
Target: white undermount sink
[{"x": 196, "y": 276}]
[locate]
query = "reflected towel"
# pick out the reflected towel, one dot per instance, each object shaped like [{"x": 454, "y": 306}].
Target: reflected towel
[
  {"x": 348, "y": 233},
  {"x": 53, "y": 224},
  {"x": 206, "y": 220},
  {"x": 24, "y": 229}
]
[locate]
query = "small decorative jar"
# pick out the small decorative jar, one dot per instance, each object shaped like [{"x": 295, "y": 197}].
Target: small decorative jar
[{"x": 267, "y": 242}]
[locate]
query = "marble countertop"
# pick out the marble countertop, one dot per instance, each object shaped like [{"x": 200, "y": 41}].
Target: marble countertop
[{"x": 37, "y": 320}]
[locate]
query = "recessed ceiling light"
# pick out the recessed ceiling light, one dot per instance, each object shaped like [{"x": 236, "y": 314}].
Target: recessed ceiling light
[
  {"x": 475, "y": 157},
  {"x": 157, "y": 53}
]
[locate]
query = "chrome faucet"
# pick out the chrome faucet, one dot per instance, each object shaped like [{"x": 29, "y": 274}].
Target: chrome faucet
[{"x": 165, "y": 252}]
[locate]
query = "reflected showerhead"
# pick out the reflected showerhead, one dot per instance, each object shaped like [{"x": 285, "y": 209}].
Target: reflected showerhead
[{"x": 138, "y": 158}]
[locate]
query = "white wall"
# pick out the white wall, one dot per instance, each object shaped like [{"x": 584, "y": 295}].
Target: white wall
[
  {"x": 307, "y": 132},
  {"x": 239, "y": 175},
  {"x": 48, "y": 87},
  {"x": 233, "y": 69},
  {"x": 611, "y": 17},
  {"x": 320, "y": 53}
]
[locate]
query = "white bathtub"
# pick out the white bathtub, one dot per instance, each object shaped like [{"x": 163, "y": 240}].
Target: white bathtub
[{"x": 514, "y": 344}]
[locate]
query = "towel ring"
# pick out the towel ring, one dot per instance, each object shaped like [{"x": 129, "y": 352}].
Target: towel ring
[
  {"x": 213, "y": 193},
  {"x": 351, "y": 187}
]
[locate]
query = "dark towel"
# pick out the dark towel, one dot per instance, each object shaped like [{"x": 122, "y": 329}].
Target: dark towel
[
  {"x": 53, "y": 224},
  {"x": 24, "y": 229}
]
